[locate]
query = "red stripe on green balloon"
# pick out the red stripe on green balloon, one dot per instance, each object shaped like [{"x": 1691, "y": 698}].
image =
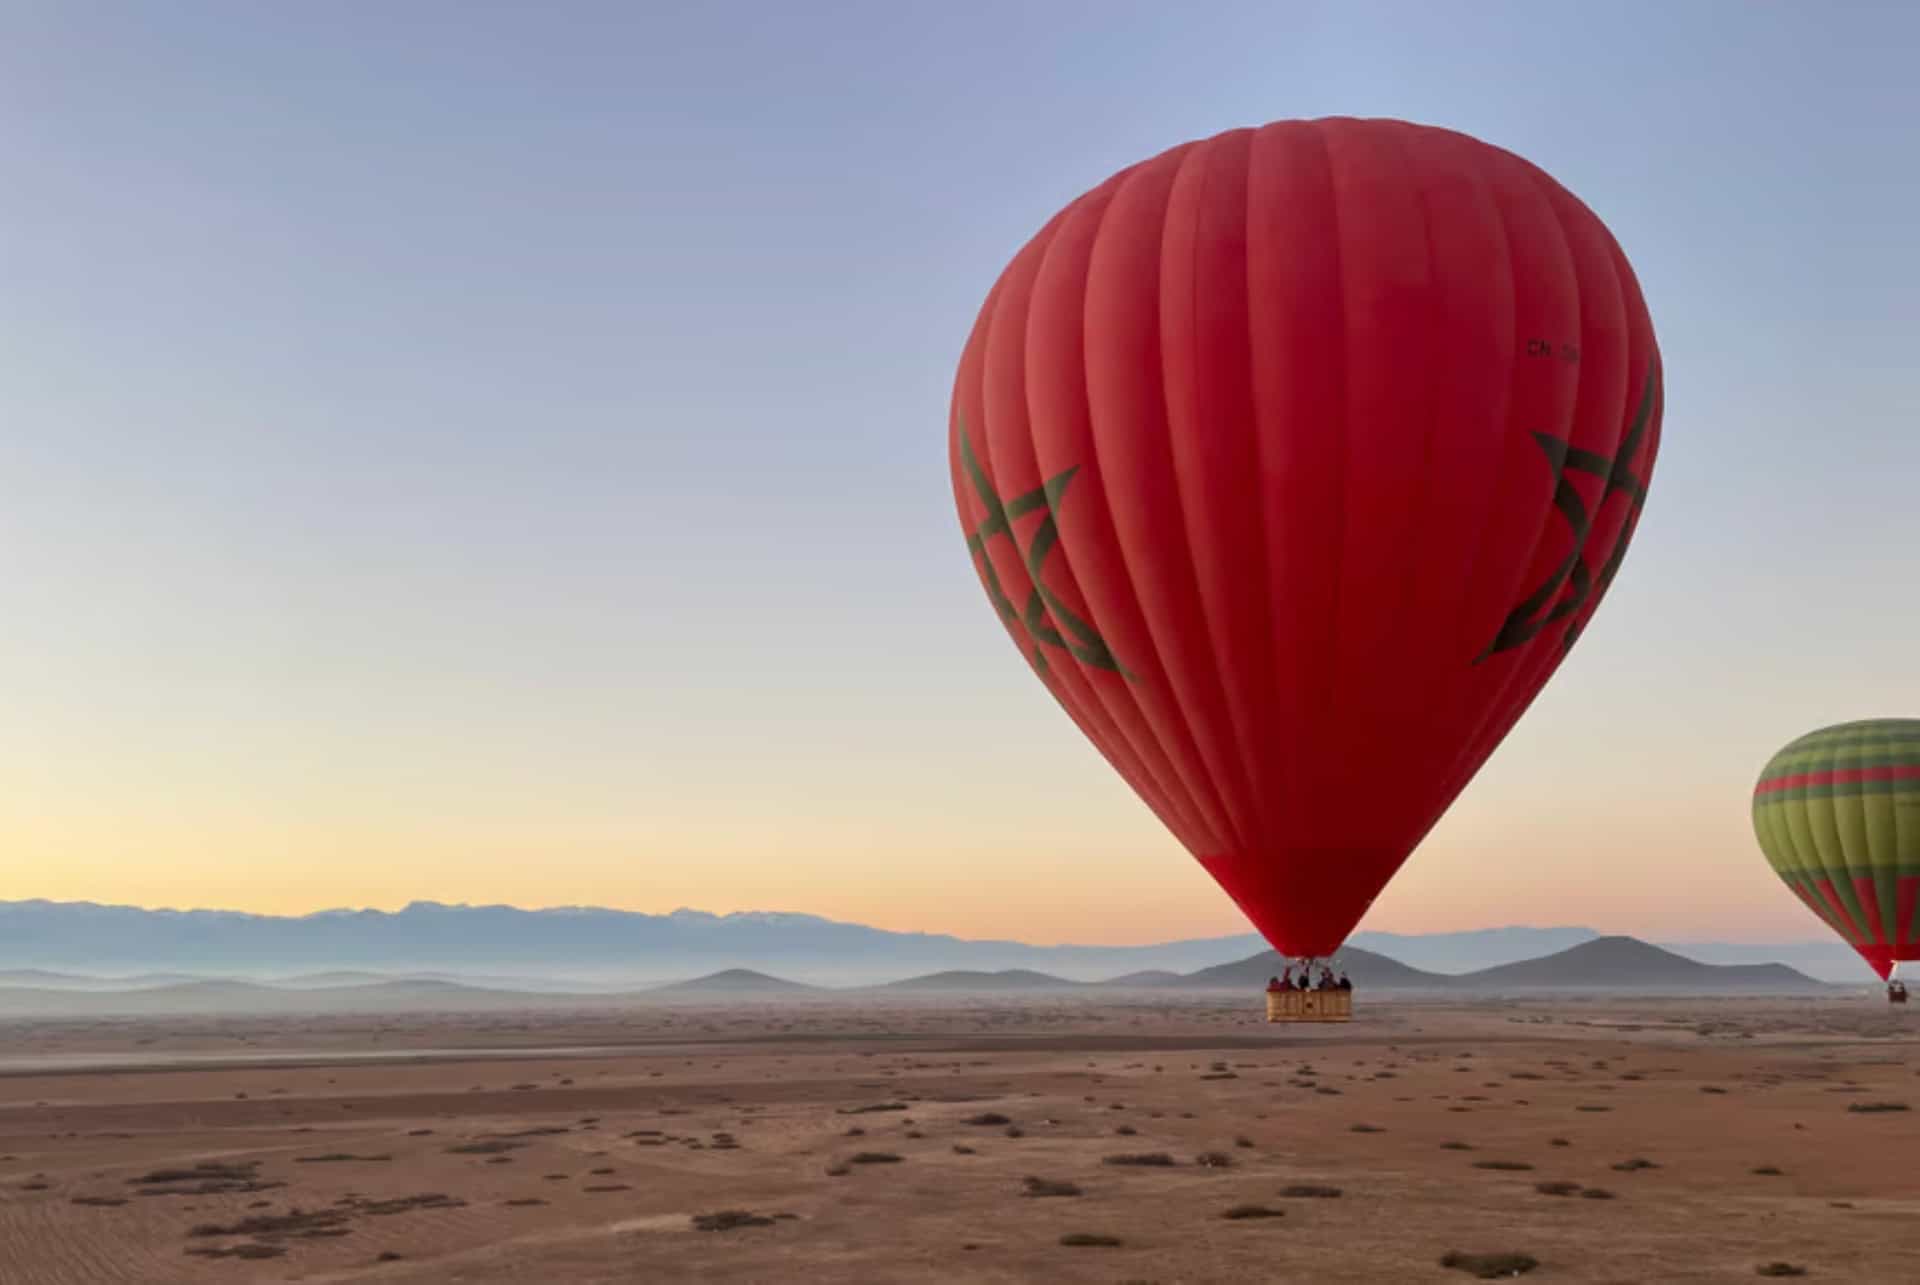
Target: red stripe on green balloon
[
  {"x": 1851, "y": 776},
  {"x": 1842, "y": 919},
  {"x": 1813, "y": 903},
  {"x": 1869, "y": 898}
]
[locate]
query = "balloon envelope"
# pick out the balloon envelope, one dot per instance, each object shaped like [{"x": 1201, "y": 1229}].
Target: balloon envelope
[
  {"x": 1838, "y": 814},
  {"x": 1294, "y": 460}
]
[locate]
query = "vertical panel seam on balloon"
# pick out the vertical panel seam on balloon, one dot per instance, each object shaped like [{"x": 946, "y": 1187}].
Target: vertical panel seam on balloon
[
  {"x": 1168, "y": 783},
  {"x": 1464, "y": 760},
  {"x": 1880, "y": 877},
  {"x": 1338, "y": 486},
  {"x": 994, "y": 310},
  {"x": 1832, "y": 864},
  {"x": 1233, "y": 753},
  {"x": 1178, "y": 787},
  {"x": 1540, "y": 664},
  {"x": 1840, "y": 868},
  {"x": 1542, "y": 656},
  {"x": 1157, "y": 792},
  {"x": 1909, "y": 902},
  {"x": 1269, "y": 808},
  {"x": 1498, "y": 717},
  {"x": 1887, "y": 880},
  {"x": 1421, "y": 748},
  {"x": 1788, "y": 822},
  {"x": 1509, "y": 698},
  {"x": 1204, "y": 799},
  {"x": 1655, "y": 423}
]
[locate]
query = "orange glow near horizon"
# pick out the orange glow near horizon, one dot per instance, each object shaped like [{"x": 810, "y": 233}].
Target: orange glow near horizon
[
  {"x": 1121, "y": 882},
  {"x": 969, "y": 832}
]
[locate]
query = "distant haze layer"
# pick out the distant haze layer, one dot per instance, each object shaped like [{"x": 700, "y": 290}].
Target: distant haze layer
[{"x": 607, "y": 947}]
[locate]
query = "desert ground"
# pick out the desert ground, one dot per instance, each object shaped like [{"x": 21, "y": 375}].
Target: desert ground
[{"x": 969, "y": 1140}]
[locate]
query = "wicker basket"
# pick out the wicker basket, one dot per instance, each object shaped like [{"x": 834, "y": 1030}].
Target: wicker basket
[{"x": 1309, "y": 1006}]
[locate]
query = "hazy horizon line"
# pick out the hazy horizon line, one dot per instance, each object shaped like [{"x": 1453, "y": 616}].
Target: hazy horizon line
[{"x": 807, "y": 914}]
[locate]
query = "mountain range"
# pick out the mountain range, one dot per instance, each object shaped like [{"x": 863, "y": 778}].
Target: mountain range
[
  {"x": 1616, "y": 964},
  {"x": 589, "y": 949}
]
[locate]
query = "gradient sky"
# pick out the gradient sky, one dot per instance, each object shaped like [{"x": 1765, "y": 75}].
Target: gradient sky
[{"x": 492, "y": 452}]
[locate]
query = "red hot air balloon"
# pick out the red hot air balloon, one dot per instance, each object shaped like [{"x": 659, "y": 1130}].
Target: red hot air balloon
[{"x": 1294, "y": 460}]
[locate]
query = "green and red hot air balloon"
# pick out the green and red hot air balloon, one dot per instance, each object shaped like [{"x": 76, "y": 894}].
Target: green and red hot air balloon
[
  {"x": 1294, "y": 460},
  {"x": 1838, "y": 814}
]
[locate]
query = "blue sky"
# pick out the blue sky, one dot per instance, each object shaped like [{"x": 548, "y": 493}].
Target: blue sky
[{"x": 496, "y": 452}]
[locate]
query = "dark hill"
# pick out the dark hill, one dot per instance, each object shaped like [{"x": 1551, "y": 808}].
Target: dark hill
[
  {"x": 732, "y": 981},
  {"x": 1618, "y": 963},
  {"x": 44, "y": 980},
  {"x": 1368, "y": 971},
  {"x": 963, "y": 979},
  {"x": 1146, "y": 979},
  {"x": 40, "y": 977},
  {"x": 235, "y": 997},
  {"x": 212, "y": 988},
  {"x": 345, "y": 977}
]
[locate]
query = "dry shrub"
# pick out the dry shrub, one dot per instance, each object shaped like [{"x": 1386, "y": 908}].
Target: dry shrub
[
  {"x": 1048, "y": 1187},
  {"x": 1253, "y": 1211},
  {"x": 254, "y": 1250},
  {"x": 728, "y": 1219},
  {"x": 406, "y": 1204},
  {"x": 1489, "y": 1266},
  {"x": 295, "y": 1222},
  {"x": 206, "y": 1171}
]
